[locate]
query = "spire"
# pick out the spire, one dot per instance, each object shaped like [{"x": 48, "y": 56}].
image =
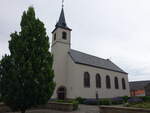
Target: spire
[{"x": 62, "y": 21}]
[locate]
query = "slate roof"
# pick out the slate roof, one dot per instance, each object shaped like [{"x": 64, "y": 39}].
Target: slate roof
[
  {"x": 138, "y": 85},
  {"x": 86, "y": 59},
  {"x": 61, "y": 22}
]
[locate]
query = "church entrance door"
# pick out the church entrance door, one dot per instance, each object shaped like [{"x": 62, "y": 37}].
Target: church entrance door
[{"x": 61, "y": 93}]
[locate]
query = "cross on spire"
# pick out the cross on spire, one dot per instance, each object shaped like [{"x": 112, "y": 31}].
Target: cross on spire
[{"x": 62, "y": 3}]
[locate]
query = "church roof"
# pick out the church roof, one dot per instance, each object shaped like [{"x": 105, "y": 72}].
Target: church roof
[
  {"x": 61, "y": 22},
  {"x": 86, "y": 59}
]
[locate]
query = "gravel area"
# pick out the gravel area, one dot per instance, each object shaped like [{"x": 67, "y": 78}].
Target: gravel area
[{"x": 82, "y": 109}]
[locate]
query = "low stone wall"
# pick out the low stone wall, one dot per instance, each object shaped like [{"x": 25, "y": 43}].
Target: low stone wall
[
  {"x": 50, "y": 105},
  {"x": 57, "y": 106},
  {"x": 111, "y": 109},
  {"x": 4, "y": 108}
]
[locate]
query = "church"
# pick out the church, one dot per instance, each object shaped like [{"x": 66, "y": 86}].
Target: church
[{"x": 78, "y": 74}]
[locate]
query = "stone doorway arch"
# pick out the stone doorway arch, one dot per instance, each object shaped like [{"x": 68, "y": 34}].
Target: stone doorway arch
[{"x": 61, "y": 93}]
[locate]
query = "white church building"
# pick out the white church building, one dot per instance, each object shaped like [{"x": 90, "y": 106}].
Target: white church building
[{"x": 78, "y": 74}]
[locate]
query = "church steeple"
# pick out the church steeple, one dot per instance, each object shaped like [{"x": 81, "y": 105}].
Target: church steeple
[
  {"x": 61, "y": 35},
  {"x": 62, "y": 21}
]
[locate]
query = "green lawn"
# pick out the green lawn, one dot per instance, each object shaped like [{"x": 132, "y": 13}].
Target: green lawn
[{"x": 141, "y": 105}]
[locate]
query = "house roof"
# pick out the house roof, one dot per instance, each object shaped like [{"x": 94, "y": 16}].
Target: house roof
[
  {"x": 138, "y": 85},
  {"x": 86, "y": 59}
]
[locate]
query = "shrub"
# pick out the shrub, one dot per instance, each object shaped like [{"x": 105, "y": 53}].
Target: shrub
[
  {"x": 91, "y": 102},
  {"x": 117, "y": 100},
  {"x": 75, "y": 105},
  {"x": 135, "y": 100},
  {"x": 145, "y": 98},
  {"x": 125, "y": 98},
  {"x": 80, "y": 100},
  {"x": 105, "y": 102}
]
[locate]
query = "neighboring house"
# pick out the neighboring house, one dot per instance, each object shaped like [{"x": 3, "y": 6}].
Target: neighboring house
[
  {"x": 139, "y": 88},
  {"x": 78, "y": 74},
  {"x": 147, "y": 90}
]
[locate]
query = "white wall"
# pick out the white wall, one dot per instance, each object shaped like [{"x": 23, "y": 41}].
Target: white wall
[
  {"x": 60, "y": 48},
  {"x": 75, "y": 85}
]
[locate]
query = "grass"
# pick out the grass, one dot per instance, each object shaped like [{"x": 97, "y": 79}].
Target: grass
[{"x": 145, "y": 105}]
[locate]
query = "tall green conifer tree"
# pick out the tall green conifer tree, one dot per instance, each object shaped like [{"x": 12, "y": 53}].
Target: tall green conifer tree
[{"x": 26, "y": 75}]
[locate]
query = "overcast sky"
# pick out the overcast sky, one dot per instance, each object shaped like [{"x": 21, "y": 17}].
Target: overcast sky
[{"x": 115, "y": 29}]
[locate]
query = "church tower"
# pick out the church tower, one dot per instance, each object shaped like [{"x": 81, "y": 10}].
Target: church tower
[
  {"x": 61, "y": 37},
  {"x": 61, "y": 33}
]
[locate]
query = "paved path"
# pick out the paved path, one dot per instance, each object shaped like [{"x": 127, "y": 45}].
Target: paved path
[{"x": 82, "y": 109}]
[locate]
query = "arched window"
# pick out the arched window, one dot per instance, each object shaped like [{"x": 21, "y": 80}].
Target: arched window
[
  {"x": 116, "y": 83},
  {"x": 86, "y": 79},
  {"x": 54, "y": 36},
  {"x": 64, "y": 35},
  {"x": 123, "y": 84},
  {"x": 108, "y": 84},
  {"x": 98, "y": 81}
]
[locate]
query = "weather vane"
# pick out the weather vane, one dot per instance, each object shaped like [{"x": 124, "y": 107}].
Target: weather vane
[{"x": 62, "y": 3}]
